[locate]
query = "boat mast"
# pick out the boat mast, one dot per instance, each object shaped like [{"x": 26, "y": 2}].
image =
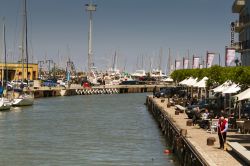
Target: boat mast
[
  {"x": 160, "y": 59},
  {"x": 26, "y": 41},
  {"x": 114, "y": 62},
  {"x": 169, "y": 61},
  {"x": 5, "y": 55},
  {"x": 23, "y": 35}
]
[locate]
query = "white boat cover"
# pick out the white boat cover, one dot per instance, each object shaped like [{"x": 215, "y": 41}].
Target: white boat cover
[{"x": 168, "y": 79}]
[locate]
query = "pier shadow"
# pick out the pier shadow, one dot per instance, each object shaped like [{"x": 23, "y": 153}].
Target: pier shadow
[
  {"x": 241, "y": 138},
  {"x": 244, "y": 140}
]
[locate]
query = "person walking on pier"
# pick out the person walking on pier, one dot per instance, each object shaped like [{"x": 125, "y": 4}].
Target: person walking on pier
[
  {"x": 222, "y": 131},
  {"x": 154, "y": 91}
]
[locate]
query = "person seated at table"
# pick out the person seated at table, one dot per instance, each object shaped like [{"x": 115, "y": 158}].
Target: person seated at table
[
  {"x": 205, "y": 115},
  {"x": 196, "y": 116},
  {"x": 205, "y": 120}
]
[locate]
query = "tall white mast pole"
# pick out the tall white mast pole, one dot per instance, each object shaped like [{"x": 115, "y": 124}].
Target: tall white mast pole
[{"x": 90, "y": 8}]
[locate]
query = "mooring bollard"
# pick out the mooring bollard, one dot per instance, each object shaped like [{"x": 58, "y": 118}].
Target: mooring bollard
[
  {"x": 190, "y": 122},
  {"x": 168, "y": 105},
  {"x": 177, "y": 112},
  {"x": 183, "y": 132},
  {"x": 210, "y": 141}
]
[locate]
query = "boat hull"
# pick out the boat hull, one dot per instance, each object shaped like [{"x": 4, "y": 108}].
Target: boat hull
[
  {"x": 27, "y": 101},
  {"x": 4, "y": 105}
]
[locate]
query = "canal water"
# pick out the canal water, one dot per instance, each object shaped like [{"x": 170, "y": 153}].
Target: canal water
[{"x": 105, "y": 130}]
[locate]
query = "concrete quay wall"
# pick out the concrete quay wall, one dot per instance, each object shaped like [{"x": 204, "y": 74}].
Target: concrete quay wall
[
  {"x": 189, "y": 143},
  {"x": 183, "y": 150},
  {"x": 72, "y": 90}
]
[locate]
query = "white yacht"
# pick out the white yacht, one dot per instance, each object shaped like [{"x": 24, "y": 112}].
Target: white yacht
[
  {"x": 23, "y": 100},
  {"x": 5, "y": 104},
  {"x": 139, "y": 73}
]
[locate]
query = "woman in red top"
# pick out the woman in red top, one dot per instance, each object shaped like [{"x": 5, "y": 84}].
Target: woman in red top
[{"x": 222, "y": 131}]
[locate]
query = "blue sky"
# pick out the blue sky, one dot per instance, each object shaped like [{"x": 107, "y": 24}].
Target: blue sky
[{"x": 58, "y": 29}]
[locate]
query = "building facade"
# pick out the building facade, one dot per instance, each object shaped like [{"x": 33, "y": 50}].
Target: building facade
[
  {"x": 16, "y": 71},
  {"x": 242, "y": 27}
]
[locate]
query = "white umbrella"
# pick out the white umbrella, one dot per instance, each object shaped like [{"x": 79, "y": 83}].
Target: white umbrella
[
  {"x": 243, "y": 95},
  {"x": 234, "y": 88},
  {"x": 183, "y": 82},
  {"x": 192, "y": 82},
  {"x": 201, "y": 83},
  {"x": 222, "y": 87}
]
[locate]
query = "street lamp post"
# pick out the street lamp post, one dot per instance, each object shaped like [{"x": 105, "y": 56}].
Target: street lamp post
[{"x": 90, "y": 8}]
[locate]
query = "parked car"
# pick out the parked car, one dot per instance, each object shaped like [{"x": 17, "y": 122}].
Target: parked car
[
  {"x": 130, "y": 82},
  {"x": 170, "y": 92},
  {"x": 163, "y": 93},
  {"x": 17, "y": 83},
  {"x": 62, "y": 82},
  {"x": 49, "y": 83},
  {"x": 212, "y": 104}
]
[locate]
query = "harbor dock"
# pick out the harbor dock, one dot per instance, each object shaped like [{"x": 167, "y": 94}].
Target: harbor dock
[
  {"x": 77, "y": 90},
  {"x": 190, "y": 142}
]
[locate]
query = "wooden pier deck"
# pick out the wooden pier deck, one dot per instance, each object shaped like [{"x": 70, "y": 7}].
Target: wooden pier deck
[{"x": 198, "y": 138}]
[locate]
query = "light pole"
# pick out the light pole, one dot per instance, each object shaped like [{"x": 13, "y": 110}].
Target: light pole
[{"x": 90, "y": 8}]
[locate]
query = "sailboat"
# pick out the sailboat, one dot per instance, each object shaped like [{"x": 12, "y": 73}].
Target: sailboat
[
  {"x": 25, "y": 98},
  {"x": 5, "y": 104}
]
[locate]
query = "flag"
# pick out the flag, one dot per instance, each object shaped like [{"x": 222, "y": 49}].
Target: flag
[
  {"x": 185, "y": 63},
  {"x": 210, "y": 58},
  {"x": 177, "y": 64},
  {"x": 230, "y": 56},
  {"x": 196, "y": 62}
]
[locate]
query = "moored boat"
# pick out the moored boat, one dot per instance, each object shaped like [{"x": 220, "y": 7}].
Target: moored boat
[
  {"x": 5, "y": 104},
  {"x": 23, "y": 100}
]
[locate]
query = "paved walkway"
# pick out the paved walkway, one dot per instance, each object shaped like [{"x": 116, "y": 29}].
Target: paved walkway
[{"x": 198, "y": 137}]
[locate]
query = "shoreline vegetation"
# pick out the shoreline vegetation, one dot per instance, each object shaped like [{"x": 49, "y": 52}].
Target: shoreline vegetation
[{"x": 216, "y": 74}]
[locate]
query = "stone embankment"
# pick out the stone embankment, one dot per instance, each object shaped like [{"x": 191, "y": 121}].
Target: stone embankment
[{"x": 191, "y": 144}]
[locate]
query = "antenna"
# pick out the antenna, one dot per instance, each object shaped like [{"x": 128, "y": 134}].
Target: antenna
[{"x": 90, "y": 8}]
